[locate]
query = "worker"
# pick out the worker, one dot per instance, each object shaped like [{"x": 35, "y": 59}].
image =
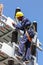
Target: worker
[{"x": 27, "y": 36}]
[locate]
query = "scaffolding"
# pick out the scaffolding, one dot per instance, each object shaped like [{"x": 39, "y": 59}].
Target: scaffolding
[{"x": 7, "y": 49}]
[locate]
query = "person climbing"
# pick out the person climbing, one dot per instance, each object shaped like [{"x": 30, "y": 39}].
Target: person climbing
[
  {"x": 1, "y": 13},
  {"x": 27, "y": 36}
]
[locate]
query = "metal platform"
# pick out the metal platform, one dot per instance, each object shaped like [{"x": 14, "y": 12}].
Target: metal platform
[
  {"x": 7, "y": 52},
  {"x": 6, "y": 29}
]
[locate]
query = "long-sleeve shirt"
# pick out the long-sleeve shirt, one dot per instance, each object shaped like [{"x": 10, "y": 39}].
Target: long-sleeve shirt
[{"x": 24, "y": 24}]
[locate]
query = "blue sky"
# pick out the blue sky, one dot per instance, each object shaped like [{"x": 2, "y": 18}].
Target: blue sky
[{"x": 33, "y": 10}]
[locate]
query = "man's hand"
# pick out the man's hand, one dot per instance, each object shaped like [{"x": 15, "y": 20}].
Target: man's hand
[{"x": 28, "y": 36}]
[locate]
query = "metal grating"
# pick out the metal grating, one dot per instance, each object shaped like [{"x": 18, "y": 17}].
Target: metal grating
[{"x": 5, "y": 31}]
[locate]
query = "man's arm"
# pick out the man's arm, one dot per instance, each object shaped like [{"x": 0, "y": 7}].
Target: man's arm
[
  {"x": 18, "y": 26},
  {"x": 28, "y": 36}
]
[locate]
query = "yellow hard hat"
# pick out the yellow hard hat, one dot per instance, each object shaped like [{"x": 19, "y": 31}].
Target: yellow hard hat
[{"x": 19, "y": 14}]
